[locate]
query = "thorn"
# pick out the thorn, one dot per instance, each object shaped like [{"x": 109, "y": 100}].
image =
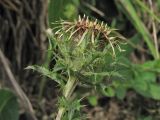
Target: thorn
[
  {"x": 92, "y": 38},
  {"x": 90, "y": 24},
  {"x": 106, "y": 26},
  {"x": 82, "y": 38},
  {"x": 95, "y": 22},
  {"x": 73, "y": 33},
  {"x": 60, "y": 36},
  {"x": 84, "y": 16},
  {"x": 102, "y": 24},
  {"x": 79, "y": 18},
  {"x": 58, "y": 31},
  {"x": 108, "y": 32},
  {"x": 87, "y": 20}
]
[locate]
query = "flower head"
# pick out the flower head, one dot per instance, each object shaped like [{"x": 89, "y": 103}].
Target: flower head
[{"x": 96, "y": 33}]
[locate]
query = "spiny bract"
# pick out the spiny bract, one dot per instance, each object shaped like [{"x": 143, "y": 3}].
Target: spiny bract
[{"x": 83, "y": 27}]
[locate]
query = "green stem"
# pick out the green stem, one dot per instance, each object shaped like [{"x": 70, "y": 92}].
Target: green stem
[{"x": 68, "y": 90}]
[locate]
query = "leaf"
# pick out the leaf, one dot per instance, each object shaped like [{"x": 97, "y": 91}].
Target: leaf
[
  {"x": 92, "y": 100},
  {"x": 154, "y": 90},
  {"x": 146, "y": 76},
  {"x": 152, "y": 66},
  {"x": 8, "y": 105},
  {"x": 141, "y": 87},
  {"x": 113, "y": 73},
  {"x": 70, "y": 11},
  {"x": 56, "y": 10},
  {"x": 44, "y": 71},
  {"x": 121, "y": 92},
  {"x": 108, "y": 91},
  {"x": 131, "y": 44},
  {"x": 145, "y": 118}
]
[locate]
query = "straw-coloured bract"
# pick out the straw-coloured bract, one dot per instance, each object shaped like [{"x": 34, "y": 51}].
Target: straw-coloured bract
[{"x": 96, "y": 33}]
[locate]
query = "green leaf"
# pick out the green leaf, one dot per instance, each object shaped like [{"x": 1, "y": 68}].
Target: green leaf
[
  {"x": 158, "y": 2},
  {"x": 154, "y": 90},
  {"x": 44, "y": 71},
  {"x": 146, "y": 76},
  {"x": 8, "y": 105},
  {"x": 92, "y": 100},
  {"x": 108, "y": 91},
  {"x": 70, "y": 11},
  {"x": 152, "y": 66},
  {"x": 145, "y": 118},
  {"x": 56, "y": 9},
  {"x": 141, "y": 87},
  {"x": 113, "y": 73},
  {"x": 121, "y": 92}
]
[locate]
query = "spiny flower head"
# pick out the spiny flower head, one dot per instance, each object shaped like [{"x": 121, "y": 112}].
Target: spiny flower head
[{"x": 96, "y": 33}]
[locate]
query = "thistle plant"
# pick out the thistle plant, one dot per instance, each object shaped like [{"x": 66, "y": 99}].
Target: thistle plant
[{"x": 85, "y": 54}]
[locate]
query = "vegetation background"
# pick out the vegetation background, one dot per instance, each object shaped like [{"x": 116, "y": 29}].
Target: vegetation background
[{"x": 25, "y": 95}]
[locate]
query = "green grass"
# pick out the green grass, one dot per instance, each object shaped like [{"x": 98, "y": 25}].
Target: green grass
[{"x": 127, "y": 7}]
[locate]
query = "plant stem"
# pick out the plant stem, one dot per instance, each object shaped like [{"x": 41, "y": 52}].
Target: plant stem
[
  {"x": 154, "y": 32},
  {"x": 68, "y": 90}
]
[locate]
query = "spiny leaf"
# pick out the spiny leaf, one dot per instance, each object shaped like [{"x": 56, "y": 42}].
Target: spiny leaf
[
  {"x": 44, "y": 71},
  {"x": 116, "y": 74}
]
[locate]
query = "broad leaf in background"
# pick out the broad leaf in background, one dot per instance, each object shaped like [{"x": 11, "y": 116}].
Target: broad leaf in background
[
  {"x": 93, "y": 100},
  {"x": 153, "y": 66},
  {"x": 8, "y": 105},
  {"x": 142, "y": 78}
]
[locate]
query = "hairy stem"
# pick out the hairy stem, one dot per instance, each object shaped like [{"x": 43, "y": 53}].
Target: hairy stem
[{"x": 68, "y": 90}]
